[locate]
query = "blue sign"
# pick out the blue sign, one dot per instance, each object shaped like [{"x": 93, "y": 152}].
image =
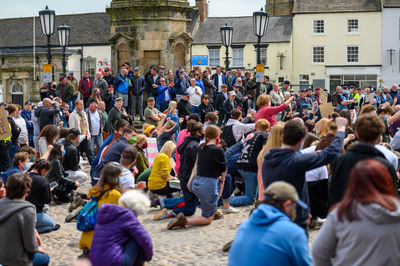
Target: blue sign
[{"x": 199, "y": 60}]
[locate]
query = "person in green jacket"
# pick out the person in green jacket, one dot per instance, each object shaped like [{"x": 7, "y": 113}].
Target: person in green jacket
[
  {"x": 141, "y": 163},
  {"x": 66, "y": 90}
]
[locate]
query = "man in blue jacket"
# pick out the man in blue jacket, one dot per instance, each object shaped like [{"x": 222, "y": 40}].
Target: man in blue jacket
[
  {"x": 269, "y": 237},
  {"x": 138, "y": 86},
  {"x": 219, "y": 78},
  {"x": 287, "y": 164},
  {"x": 121, "y": 86}
]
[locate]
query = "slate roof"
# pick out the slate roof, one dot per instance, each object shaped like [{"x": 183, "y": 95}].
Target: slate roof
[
  {"x": 391, "y": 3},
  {"x": 86, "y": 29},
  {"x": 336, "y": 6},
  {"x": 279, "y": 30}
]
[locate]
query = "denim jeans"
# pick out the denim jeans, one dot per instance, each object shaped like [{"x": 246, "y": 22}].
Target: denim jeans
[
  {"x": 12, "y": 150},
  {"x": 40, "y": 259},
  {"x": 137, "y": 101},
  {"x": 133, "y": 254},
  {"x": 71, "y": 103},
  {"x": 250, "y": 180},
  {"x": 191, "y": 202},
  {"x": 206, "y": 189},
  {"x": 98, "y": 140},
  {"x": 196, "y": 109},
  {"x": 85, "y": 147},
  {"x": 44, "y": 223},
  {"x": 227, "y": 190}
]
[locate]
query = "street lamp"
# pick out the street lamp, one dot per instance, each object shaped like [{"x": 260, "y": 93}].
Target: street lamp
[
  {"x": 226, "y": 37},
  {"x": 63, "y": 38},
  {"x": 47, "y": 18},
  {"x": 260, "y": 23}
]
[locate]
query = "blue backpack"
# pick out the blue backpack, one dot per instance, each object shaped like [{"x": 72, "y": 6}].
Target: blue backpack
[{"x": 87, "y": 216}]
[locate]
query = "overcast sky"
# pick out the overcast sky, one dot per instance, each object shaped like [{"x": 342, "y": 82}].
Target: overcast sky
[{"x": 28, "y": 8}]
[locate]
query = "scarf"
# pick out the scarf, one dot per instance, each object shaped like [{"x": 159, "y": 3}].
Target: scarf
[{"x": 83, "y": 121}]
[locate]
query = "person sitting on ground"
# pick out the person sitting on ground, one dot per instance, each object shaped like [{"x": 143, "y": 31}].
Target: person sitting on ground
[
  {"x": 211, "y": 119},
  {"x": 234, "y": 128},
  {"x": 247, "y": 163},
  {"x": 119, "y": 238},
  {"x": 71, "y": 163},
  {"x": 2, "y": 189},
  {"x": 205, "y": 107},
  {"x": 362, "y": 229},
  {"x": 57, "y": 174},
  {"x": 141, "y": 162},
  {"x": 105, "y": 191},
  {"x": 250, "y": 118},
  {"x": 160, "y": 175},
  {"x": 31, "y": 152},
  {"x": 167, "y": 134},
  {"x": 40, "y": 195},
  {"x": 270, "y": 234},
  {"x": 47, "y": 136},
  {"x": 21, "y": 243},
  {"x": 20, "y": 165},
  {"x": 209, "y": 181},
  {"x": 127, "y": 162},
  {"x": 152, "y": 115}
]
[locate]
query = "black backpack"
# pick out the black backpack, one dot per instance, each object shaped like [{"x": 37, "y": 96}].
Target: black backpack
[{"x": 227, "y": 136}]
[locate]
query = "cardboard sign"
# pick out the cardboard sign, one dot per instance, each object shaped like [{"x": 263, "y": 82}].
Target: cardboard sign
[
  {"x": 323, "y": 96},
  {"x": 326, "y": 109},
  {"x": 152, "y": 150},
  {"x": 5, "y": 131}
]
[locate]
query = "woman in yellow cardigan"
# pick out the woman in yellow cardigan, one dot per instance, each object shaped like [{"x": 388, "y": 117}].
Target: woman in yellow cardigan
[
  {"x": 108, "y": 189},
  {"x": 161, "y": 171}
]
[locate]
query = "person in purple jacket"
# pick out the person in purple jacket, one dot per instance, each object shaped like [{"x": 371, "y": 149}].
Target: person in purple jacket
[{"x": 119, "y": 238}]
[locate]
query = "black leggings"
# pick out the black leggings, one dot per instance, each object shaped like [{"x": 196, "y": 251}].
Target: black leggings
[{"x": 165, "y": 191}]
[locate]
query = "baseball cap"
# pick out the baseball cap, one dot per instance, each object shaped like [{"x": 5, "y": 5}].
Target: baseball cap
[
  {"x": 283, "y": 191},
  {"x": 28, "y": 102},
  {"x": 186, "y": 93},
  {"x": 136, "y": 69},
  {"x": 317, "y": 89},
  {"x": 150, "y": 99},
  {"x": 119, "y": 99},
  {"x": 305, "y": 105},
  {"x": 303, "y": 90},
  {"x": 71, "y": 72},
  {"x": 74, "y": 131},
  {"x": 61, "y": 78},
  {"x": 232, "y": 93},
  {"x": 235, "y": 85},
  {"x": 310, "y": 89},
  {"x": 286, "y": 82},
  {"x": 161, "y": 67}
]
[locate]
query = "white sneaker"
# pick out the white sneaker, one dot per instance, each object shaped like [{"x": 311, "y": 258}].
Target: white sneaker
[{"x": 230, "y": 209}]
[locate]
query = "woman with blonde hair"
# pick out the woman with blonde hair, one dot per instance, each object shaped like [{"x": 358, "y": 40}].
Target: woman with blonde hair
[
  {"x": 172, "y": 113},
  {"x": 95, "y": 96},
  {"x": 161, "y": 171},
  {"x": 274, "y": 142},
  {"x": 267, "y": 111},
  {"x": 322, "y": 127}
]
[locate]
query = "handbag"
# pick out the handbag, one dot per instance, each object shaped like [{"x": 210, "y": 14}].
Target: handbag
[
  {"x": 87, "y": 216},
  {"x": 193, "y": 175}
]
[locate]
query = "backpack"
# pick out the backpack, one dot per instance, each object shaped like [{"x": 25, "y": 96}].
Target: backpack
[
  {"x": 87, "y": 216},
  {"x": 227, "y": 136}
]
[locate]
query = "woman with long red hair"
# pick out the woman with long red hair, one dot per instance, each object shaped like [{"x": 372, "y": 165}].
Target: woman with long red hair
[{"x": 364, "y": 228}]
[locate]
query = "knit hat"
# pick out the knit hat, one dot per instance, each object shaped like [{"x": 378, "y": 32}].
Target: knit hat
[
  {"x": 148, "y": 130},
  {"x": 283, "y": 191}
]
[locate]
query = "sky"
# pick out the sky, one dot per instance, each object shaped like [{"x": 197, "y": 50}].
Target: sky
[{"x": 28, "y": 8}]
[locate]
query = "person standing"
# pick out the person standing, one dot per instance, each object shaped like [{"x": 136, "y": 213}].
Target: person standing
[
  {"x": 195, "y": 93},
  {"x": 185, "y": 109},
  {"x": 100, "y": 83},
  {"x": 121, "y": 86},
  {"x": 79, "y": 120},
  {"x": 66, "y": 90},
  {"x": 27, "y": 116},
  {"x": 138, "y": 87},
  {"x": 108, "y": 77},
  {"x": 44, "y": 90},
  {"x": 96, "y": 125},
  {"x": 23, "y": 131},
  {"x": 75, "y": 85},
  {"x": 219, "y": 78},
  {"x": 164, "y": 95},
  {"x": 15, "y": 131},
  {"x": 115, "y": 114},
  {"x": 219, "y": 103},
  {"x": 153, "y": 80},
  {"x": 48, "y": 113},
  {"x": 85, "y": 87},
  {"x": 181, "y": 83},
  {"x": 229, "y": 105}
]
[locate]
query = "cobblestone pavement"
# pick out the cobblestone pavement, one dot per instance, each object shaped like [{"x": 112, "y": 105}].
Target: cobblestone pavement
[{"x": 190, "y": 246}]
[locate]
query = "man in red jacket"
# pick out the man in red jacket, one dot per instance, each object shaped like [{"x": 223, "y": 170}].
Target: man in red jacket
[{"x": 85, "y": 87}]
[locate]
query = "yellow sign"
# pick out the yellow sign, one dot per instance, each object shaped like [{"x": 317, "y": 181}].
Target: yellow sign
[
  {"x": 260, "y": 68},
  {"x": 47, "y": 68}
]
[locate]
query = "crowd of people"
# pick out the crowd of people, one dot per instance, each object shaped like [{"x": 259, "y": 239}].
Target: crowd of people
[{"x": 214, "y": 141}]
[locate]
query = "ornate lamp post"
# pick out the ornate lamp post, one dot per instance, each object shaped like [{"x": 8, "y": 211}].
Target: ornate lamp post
[
  {"x": 47, "y": 19},
  {"x": 226, "y": 37},
  {"x": 63, "y": 37},
  {"x": 260, "y": 23}
]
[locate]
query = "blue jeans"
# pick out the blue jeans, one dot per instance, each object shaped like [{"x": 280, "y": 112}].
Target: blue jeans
[
  {"x": 40, "y": 259},
  {"x": 44, "y": 223},
  {"x": 196, "y": 109},
  {"x": 206, "y": 189},
  {"x": 227, "y": 190},
  {"x": 250, "y": 181},
  {"x": 71, "y": 103},
  {"x": 12, "y": 150},
  {"x": 98, "y": 140},
  {"x": 191, "y": 202},
  {"x": 133, "y": 254}
]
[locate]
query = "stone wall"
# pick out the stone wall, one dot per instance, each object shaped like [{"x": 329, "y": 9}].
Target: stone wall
[{"x": 279, "y": 7}]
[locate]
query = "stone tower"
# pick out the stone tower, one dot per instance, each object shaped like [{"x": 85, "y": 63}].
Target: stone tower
[
  {"x": 279, "y": 7},
  {"x": 150, "y": 32}
]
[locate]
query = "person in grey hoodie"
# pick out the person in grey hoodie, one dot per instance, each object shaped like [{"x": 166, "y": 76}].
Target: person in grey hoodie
[
  {"x": 17, "y": 226},
  {"x": 362, "y": 229}
]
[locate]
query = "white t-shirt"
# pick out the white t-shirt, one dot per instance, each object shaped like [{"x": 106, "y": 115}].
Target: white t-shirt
[
  {"x": 195, "y": 99},
  {"x": 95, "y": 123},
  {"x": 127, "y": 180},
  {"x": 219, "y": 82},
  {"x": 316, "y": 174}
]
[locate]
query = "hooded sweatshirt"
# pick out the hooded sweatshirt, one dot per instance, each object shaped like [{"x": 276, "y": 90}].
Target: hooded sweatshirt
[
  {"x": 188, "y": 154},
  {"x": 374, "y": 239},
  {"x": 17, "y": 226},
  {"x": 269, "y": 236},
  {"x": 115, "y": 226}
]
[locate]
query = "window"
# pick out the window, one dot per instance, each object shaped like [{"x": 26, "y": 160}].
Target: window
[
  {"x": 89, "y": 64},
  {"x": 213, "y": 55},
  {"x": 352, "y": 25},
  {"x": 352, "y": 54},
  {"x": 318, "y": 54},
  {"x": 263, "y": 56},
  {"x": 237, "y": 57},
  {"x": 318, "y": 26}
]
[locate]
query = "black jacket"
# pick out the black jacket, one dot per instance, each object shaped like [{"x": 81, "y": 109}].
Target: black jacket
[
  {"x": 184, "y": 109},
  {"x": 57, "y": 174},
  {"x": 109, "y": 79},
  {"x": 46, "y": 115},
  {"x": 343, "y": 164},
  {"x": 204, "y": 109},
  {"x": 71, "y": 161},
  {"x": 188, "y": 150},
  {"x": 228, "y": 109},
  {"x": 219, "y": 102},
  {"x": 150, "y": 82},
  {"x": 251, "y": 148},
  {"x": 40, "y": 192}
]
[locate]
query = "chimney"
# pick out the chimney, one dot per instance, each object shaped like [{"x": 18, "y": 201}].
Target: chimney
[
  {"x": 291, "y": 7},
  {"x": 202, "y": 5}
]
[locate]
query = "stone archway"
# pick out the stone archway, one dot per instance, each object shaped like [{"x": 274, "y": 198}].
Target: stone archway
[
  {"x": 123, "y": 54},
  {"x": 179, "y": 56}
]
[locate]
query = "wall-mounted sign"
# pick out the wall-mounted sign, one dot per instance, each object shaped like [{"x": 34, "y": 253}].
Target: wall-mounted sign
[{"x": 199, "y": 60}]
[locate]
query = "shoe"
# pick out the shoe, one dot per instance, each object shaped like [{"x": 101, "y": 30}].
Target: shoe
[
  {"x": 56, "y": 227},
  {"x": 218, "y": 215},
  {"x": 85, "y": 254},
  {"x": 180, "y": 221},
  {"x": 161, "y": 215},
  {"x": 142, "y": 120},
  {"x": 227, "y": 246},
  {"x": 230, "y": 210},
  {"x": 71, "y": 216},
  {"x": 78, "y": 201}
]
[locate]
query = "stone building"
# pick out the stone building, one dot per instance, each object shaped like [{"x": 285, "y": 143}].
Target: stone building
[{"x": 279, "y": 7}]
